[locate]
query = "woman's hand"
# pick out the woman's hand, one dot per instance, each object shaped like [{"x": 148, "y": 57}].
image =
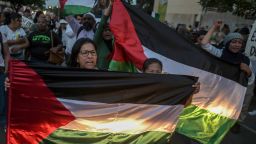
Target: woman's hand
[
  {"x": 244, "y": 67},
  {"x": 108, "y": 10},
  {"x": 217, "y": 24},
  {"x": 7, "y": 83},
  {"x": 197, "y": 87}
]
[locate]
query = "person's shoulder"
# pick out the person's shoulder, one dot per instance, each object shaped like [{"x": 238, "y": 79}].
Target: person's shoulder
[
  {"x": 21, "y": 31},
  {"x": 4, "y": 28}
]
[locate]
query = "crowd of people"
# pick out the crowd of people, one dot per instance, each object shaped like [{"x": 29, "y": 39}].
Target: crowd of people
[{"x": 88, "y": 44}]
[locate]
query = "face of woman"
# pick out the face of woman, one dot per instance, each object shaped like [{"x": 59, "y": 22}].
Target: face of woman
[
  {"x": 154, "y": 68},
  {"x": 87, "y": 57},
  {"x": 236, "y": 45}
]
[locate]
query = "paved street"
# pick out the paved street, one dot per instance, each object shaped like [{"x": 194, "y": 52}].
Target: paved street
[{"x": 247, "y": 134}]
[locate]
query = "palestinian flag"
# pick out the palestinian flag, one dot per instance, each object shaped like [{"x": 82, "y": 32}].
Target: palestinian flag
[
  {"x": 73, "y": 7},
  {"x": 56, "y": 105},
  {"x": 217, "y": 106}
]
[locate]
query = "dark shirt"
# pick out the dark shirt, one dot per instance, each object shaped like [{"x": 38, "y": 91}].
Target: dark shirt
[{"x": 41, "y": 43}]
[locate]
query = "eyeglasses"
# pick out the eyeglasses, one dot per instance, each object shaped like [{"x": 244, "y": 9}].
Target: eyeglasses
[{"x": 86, "y": 53}]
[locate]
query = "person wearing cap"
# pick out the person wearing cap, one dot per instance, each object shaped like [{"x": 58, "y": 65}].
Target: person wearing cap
[
  {"x": 61, "y": 32},
  {"x": 87, "y": 29},
  {"x": 232, "y": 53}
]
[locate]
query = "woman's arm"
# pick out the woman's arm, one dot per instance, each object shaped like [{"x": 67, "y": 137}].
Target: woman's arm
[{"x": 205, "y": 43}]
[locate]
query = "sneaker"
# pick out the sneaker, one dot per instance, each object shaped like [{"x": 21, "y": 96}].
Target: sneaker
[{"x": 252, "y": 113}]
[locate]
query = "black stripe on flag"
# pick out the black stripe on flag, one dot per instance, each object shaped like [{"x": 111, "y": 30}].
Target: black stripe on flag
[{"x": 116, "y": 87}]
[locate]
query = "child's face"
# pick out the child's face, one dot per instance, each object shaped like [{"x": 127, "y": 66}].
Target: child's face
[{"x": 154, "y": 68}]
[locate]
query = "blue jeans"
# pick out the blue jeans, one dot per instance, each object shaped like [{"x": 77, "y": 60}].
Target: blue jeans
[{"x": 3, "y": 100}]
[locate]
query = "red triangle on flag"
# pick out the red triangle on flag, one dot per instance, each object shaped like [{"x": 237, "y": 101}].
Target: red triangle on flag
[{"x": 34, "y": 112}]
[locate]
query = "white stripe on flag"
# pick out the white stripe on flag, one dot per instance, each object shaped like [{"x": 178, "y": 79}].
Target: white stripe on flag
[
  {"x": 121, "y": 117},
  {"x": 87, "y": 3}
]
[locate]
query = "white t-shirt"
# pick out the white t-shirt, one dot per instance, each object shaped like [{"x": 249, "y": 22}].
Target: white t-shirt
[
  {"x": 4, "y": 40},
  {"x": 12, "y": 35}
]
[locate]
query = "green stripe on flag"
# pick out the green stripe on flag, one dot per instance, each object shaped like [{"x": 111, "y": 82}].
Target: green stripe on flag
[
  {"x": 203, "y": 125},
  {"x": 122, "y": 66},
  {"x": 76, "y": 9},
  {"x": 63, "y": 136}
]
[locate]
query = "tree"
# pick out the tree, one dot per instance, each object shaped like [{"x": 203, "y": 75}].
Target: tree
[
  {"x": 244, "y": 8},
  {"x": 17, "y": 4}
]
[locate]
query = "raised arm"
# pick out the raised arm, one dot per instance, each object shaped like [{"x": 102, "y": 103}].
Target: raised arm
[
  {"x": 73, "y": 23},
  {"x": 216, "y": 26},
  {"x": 104, "y": 18},
  {"x": 205, "y": 43}
]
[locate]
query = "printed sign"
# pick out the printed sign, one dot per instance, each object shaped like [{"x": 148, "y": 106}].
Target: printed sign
[{"x": 250, "y": 50}]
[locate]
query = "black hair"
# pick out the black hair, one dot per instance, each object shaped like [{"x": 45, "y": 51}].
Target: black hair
[
  {"x": 13, "y": 16},
  {"x": 7, "y": 18},
  {"x": 150, "y": 61},
  {"x": 76, "y": 49},
  {"x": 27, "y": 10},
  {"x": 78, "y": 15},
  {"x": 244, "y": 31},
  {"x": 38, "y": 13}
]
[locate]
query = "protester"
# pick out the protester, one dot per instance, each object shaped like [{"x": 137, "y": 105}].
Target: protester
[
  {"x": 152, "y": 65},
  {"x": 27, "y": 14},
  {"x": 155, "y": 66},
  {"x": 87, "y": 29},
  {"x": 84, "y": 54},
  {"x": 98, "y": 9},
  {"x": 39, "y": 14},
  {"x": 42, "y": 41},
  {"x": 225, "y": 29},
  {"x": 231, "y": 53},
  {"x": 61, "y": 32},
  {"x": 233, "y": 44},
  {"x": 71, "y": 38},
  {"x": 16, "y": 36},
  {"x": 104, "y": 40}
]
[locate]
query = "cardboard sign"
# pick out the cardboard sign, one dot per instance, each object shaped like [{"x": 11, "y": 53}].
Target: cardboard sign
[{"x": 250, "y": 49}]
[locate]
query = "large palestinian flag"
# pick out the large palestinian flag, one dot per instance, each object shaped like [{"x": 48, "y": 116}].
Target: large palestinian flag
[
  {"x": 216, "y": 107},
  {"x": 51, "y": 105}
]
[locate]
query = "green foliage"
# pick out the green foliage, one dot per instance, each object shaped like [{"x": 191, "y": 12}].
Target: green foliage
[{"x": 245, "y": 8}]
